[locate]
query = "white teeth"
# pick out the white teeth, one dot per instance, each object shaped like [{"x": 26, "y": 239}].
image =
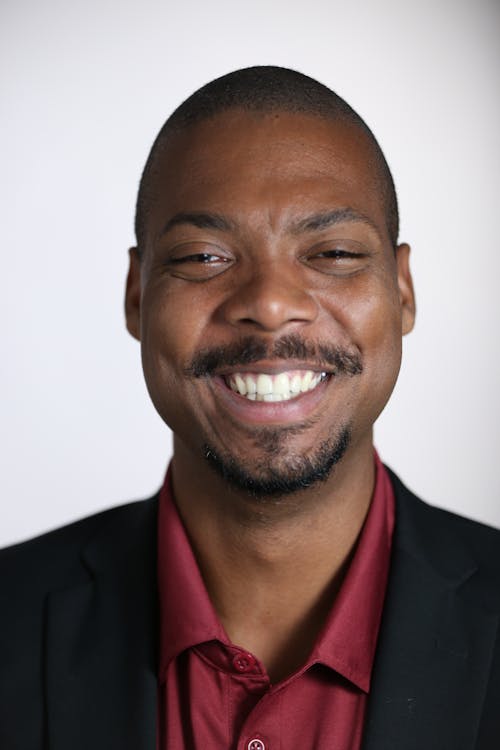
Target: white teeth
[
  {"x": 251, "y": 386},
  {"x": 295, "y": 384},
  {"x": 272, "y": 388},
  {"x": 264, "y": 385},
  {"x": 282, "y": 384},
  {"x": 240, "y": 384},
  {"x": 306, "y": 381},
  {"x": 271, "y": 397}
]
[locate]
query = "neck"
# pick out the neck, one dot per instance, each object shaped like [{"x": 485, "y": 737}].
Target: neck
[{"x": 272, "y": 568}]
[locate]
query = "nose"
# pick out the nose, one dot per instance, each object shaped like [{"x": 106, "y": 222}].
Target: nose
[{"x": 269, "y": 299}]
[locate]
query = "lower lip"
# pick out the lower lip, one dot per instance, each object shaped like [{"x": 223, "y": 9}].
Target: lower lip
[{"x": 274, "y": 412}]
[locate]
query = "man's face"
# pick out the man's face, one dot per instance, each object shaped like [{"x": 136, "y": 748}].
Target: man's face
[{"x": 269, "y": 302}]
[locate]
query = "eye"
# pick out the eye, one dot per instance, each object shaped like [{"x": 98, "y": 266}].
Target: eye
[
  {"x": 339, "y": 257},
  {"x": 197, "y": 258},
  {"x": 195, "y": 261},
  {"x": 336, "y": 254}
]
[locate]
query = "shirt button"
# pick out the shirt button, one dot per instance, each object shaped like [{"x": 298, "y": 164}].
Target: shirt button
[
  {"x": 256, "y": 745},
  {"x": 245, "y": 663}
]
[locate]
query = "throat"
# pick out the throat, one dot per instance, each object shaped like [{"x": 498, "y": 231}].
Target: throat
[
  {"x": 282, "y": 637},
  {"x": 273, "y": 591}
]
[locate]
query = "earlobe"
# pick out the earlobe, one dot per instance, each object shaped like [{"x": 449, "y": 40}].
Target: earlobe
[
  {"x": 133, "y": 295},
  {"x": 405, "y": 285}
]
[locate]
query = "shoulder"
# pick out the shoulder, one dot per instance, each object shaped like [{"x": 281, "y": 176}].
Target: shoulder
[
  {"x": 447, "y": 539},
  {"x": 70, "y": 565},
  {"x": 50, "y": 559}
]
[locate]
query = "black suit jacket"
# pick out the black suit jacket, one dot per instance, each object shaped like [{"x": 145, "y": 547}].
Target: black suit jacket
[{"x": 78, "y": 639}]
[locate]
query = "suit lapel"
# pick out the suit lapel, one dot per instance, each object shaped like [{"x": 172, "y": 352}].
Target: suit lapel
[
  {"x": 101, "y": 643},
  {"x": 436, "y": 641}
]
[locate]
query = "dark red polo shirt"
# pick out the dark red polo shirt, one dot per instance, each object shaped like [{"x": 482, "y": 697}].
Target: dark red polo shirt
[{"x": 216, "y": 696}]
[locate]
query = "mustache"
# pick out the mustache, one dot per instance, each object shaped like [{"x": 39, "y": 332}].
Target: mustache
[{"x": 252, "y": 349}]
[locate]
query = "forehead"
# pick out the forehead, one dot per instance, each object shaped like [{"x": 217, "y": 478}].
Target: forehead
[{"x": 267, "y": 166}]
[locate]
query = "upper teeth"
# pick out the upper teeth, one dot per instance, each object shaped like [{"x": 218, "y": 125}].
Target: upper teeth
[{"x": 281, "y": 387}]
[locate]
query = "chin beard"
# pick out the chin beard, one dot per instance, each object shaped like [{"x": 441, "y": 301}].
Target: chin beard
[{"x": 277, "y": 477}]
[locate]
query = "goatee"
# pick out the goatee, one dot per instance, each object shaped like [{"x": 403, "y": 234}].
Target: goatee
[{"x": 275, "y": 479}]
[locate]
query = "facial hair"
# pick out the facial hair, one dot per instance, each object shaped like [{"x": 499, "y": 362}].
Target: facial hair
[
  {"x": 251, "y": 349},
  {"x": 279, "y": 473},
  {"x": 275, "y": 479}
]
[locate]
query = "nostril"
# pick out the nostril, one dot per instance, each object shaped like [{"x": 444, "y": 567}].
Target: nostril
[{"x": 270, "y": 305}]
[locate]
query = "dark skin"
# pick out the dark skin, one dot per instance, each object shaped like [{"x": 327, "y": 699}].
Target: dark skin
[{"x": 263, "y": 260}]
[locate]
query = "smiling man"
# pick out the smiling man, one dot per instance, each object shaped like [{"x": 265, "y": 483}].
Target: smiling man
[{"x": 283, "y": 590}]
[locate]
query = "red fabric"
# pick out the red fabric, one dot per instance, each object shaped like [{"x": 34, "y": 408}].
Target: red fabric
[{"x": 215, "y": 695}]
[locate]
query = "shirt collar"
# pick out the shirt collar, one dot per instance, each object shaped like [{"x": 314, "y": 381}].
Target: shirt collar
[{"x": 348, "y": 640}]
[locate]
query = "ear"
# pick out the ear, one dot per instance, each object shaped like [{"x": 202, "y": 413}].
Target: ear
[
  {"x": 133, "y": 295},
  {"x": 405, "y": 285}
]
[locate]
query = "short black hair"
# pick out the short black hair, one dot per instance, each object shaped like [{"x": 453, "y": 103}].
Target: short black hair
[{"x": 263, "y": 88}]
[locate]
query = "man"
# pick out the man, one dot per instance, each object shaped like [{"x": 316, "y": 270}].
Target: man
[{"x": 283, "y": 590}]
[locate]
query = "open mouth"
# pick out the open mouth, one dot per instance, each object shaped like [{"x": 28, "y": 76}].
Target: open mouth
[{"x": 283, "y": 386}]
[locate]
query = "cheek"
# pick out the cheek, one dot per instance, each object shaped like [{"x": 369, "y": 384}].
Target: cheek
[
  {"x": 375, "y": 319},
  {"x": 382, "y": 357},
  {"x": 383, "y": 328},
  {"x": 370, "y": 310},
  {"x": 170, "y": 334},
  {"x": 171, "y": 329}
]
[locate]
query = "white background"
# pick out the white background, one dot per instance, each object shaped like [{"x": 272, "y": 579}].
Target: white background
[{"x": 86, "y": 84}]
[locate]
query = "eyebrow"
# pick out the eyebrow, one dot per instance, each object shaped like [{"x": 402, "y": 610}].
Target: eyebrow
[
  {"x": 327, "y": 219},
  {"x": 314, "y": 222},
  {"x": 199, "y": 219}
]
